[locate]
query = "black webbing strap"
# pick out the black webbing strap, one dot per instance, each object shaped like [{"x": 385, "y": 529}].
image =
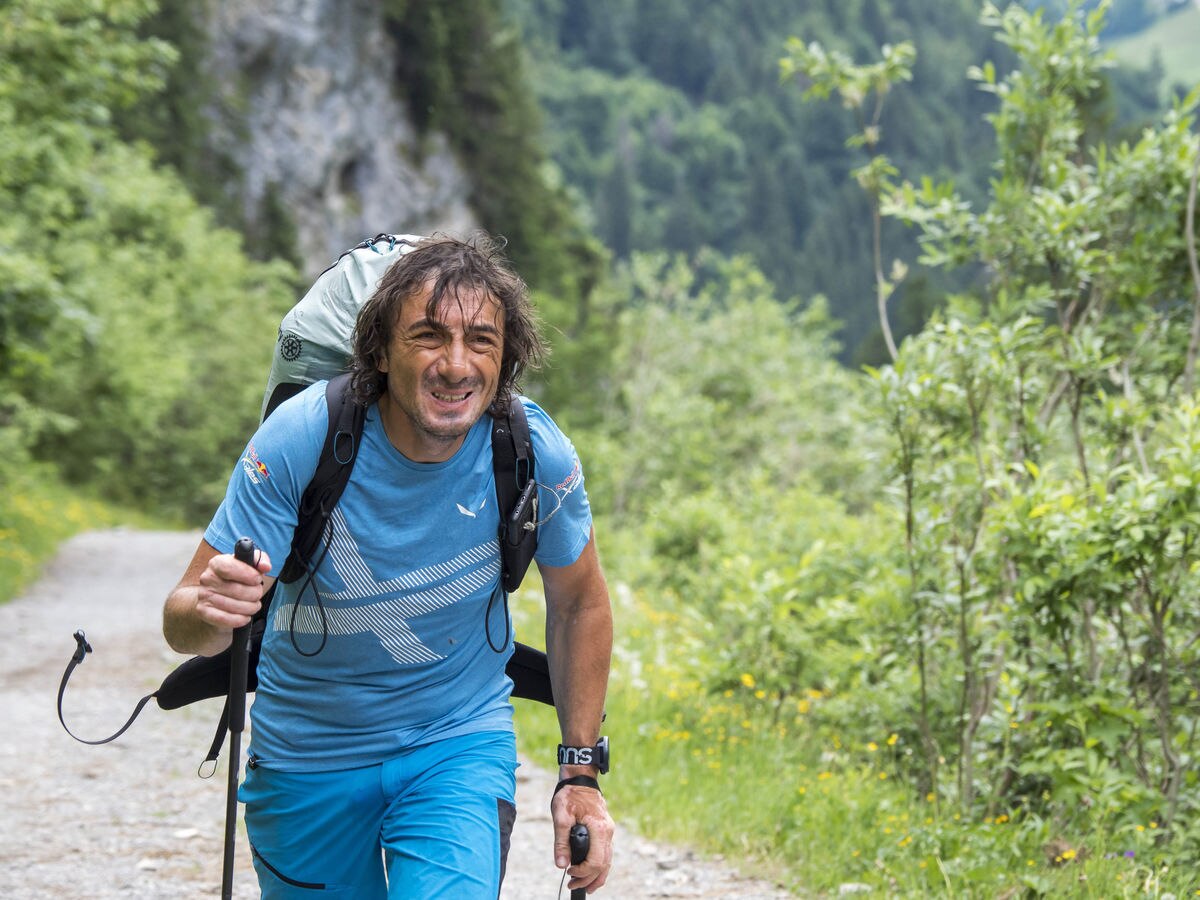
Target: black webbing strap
[
  {"x": 346, "y": 419},
  {"x": 513, "y": 466},
  {"x": 82, "y": 649},
  {"x": 577, "y": 781}
]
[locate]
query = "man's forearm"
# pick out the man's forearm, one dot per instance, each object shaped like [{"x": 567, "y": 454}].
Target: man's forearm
[
  {"x": 185, "y": 631},
  {"x": 579, "y": 645}
]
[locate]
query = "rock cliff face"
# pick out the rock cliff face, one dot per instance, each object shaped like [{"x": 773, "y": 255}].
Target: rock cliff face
[{"x": 307, "y": 111}]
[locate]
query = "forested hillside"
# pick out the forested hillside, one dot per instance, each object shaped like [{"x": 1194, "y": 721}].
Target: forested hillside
[
  {"x": 670, "y": 121},
  {"x": 1169, "y": 43}
]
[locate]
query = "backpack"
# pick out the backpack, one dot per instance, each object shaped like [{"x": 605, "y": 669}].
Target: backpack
[{"x": 313, "y": 344}]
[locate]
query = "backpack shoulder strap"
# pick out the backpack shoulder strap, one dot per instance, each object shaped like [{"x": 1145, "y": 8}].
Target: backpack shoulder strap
[
  {"x": 513, "y": 465},
  {"x": 346, "y": 420}
]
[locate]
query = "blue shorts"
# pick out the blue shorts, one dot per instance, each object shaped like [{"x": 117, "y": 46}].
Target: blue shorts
[{"x": 434, "y": 821}]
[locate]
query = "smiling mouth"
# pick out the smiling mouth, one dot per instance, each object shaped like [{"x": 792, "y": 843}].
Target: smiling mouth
[{"x": 450, "y": 398}]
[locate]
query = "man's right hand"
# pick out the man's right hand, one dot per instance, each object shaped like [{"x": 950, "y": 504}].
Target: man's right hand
[
  {"x": 216, "y": 595},
  {"x": 230, "y": 591}
]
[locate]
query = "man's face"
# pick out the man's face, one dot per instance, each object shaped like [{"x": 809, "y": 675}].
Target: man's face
[{"x": 442, "y": 372}]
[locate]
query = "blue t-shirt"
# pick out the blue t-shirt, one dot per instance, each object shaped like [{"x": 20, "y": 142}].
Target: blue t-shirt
[{"x": 401, "y": 655}]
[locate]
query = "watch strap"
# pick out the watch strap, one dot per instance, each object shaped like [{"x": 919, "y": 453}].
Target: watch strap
[
  {"x": 585, "y": 756},
  {"x": 578, "y": 781}
]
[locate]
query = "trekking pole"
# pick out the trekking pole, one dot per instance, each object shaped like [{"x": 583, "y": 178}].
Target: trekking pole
[
  {"x": 580, "y": 842},
  {"x": 243, "y": 551}
]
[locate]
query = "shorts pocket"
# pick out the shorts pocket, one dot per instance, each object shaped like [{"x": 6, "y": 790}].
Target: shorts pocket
[{"x": 263, "y": 862}]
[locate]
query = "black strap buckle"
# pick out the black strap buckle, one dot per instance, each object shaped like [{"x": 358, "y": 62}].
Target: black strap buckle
[{"x": 82, "y": 647}]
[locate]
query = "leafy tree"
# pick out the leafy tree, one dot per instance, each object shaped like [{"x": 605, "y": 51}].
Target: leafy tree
[
  {"x": 135, "y": 336},
  {"x": 1044, "y": 441},
  {"x": 862, "y": 89},
  {"x": 728, "y": 418}
]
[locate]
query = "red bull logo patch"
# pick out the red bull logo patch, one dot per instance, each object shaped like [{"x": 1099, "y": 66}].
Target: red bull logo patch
[
  {"x": 572, "y": 481},
  {"x": 255, "y": 468}
]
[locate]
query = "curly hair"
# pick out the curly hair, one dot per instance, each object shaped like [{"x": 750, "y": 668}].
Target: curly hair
[{"x": 455, "y": 268}]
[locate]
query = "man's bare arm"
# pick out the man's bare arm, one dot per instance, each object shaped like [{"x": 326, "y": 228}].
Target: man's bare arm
[{"x": 579, "y": 632}]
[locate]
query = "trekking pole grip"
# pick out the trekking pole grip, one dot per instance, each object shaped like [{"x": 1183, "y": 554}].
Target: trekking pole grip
[
  {"x": 580, "y": 842},
  {"x": 239, "y": 665},
  {"x": 243, "y": 551}
]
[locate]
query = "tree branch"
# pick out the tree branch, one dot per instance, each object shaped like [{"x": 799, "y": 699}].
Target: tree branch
[{"x": 1189, "y": 232}]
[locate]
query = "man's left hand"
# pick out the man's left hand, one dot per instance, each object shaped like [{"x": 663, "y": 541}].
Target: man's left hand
[{"x": 578, "y": 803}]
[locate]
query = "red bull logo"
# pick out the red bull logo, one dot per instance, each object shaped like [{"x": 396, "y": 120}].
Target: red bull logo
[{"x": 255, "y": 468}]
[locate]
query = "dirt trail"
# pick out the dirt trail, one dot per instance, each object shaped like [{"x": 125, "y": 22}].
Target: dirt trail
[{"x": 131, "y": 819}]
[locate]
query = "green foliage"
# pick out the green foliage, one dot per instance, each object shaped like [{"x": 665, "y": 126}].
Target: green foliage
[
  {"x": 964, "y": 655},
  {"x": 135, "y": 335},
  {"x": 176, "y": 354},
  {"x": 1045, "y": 455},
  {"x": 722, "y": 385}
]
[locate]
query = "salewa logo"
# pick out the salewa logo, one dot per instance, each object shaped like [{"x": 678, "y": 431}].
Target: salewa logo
[{"x": 472, "y": 513}]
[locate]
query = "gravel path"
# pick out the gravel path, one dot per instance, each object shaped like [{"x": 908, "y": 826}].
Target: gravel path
[{"x": 131, "y": 819}]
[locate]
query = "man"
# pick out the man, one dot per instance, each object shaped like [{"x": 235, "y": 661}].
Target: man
[{"x": 382, "y": 718}]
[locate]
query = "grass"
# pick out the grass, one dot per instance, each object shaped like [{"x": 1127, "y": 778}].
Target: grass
[
  {"x": 37, "y": 513},
  {"x": 782, "y": 798},
  {"x": 1175, "y": 39}
]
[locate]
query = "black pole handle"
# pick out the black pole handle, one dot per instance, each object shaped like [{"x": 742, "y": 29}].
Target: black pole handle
[
  {"x": 239, "y": 665},
  {"x": 243, "y": 551},
  {"x": 580, "y": 842}
]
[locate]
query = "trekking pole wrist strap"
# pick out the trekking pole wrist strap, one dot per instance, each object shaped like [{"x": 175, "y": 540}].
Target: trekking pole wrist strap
[
  {"x": 82, "y": 649},
  {"x": 578, "y": 781}
]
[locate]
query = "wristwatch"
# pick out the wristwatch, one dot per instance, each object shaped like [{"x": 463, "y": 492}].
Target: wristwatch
[{"x": 585, "y": 756}]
